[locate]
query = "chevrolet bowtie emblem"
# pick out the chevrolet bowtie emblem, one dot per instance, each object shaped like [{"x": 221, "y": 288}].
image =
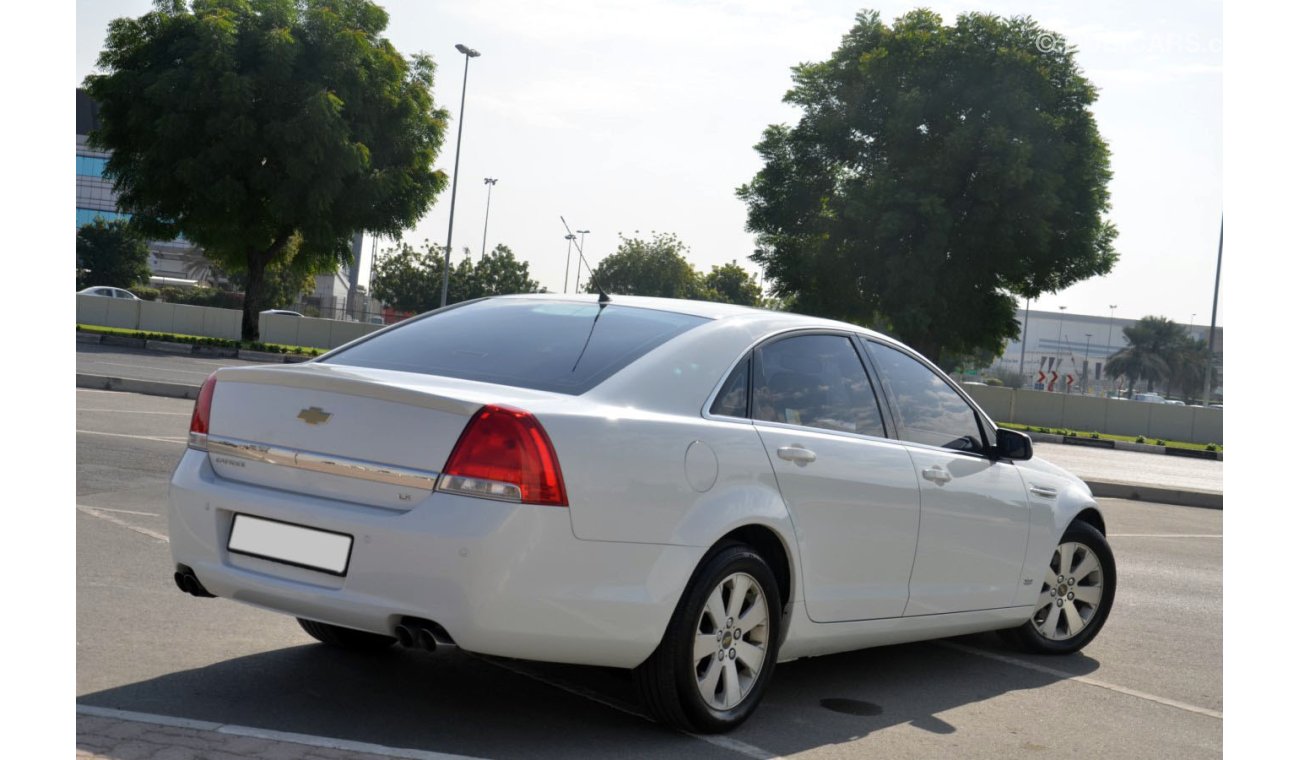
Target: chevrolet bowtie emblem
[{"x": 314, "y": 415}]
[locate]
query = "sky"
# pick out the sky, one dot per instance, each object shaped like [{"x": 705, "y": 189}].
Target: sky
[{"x": 629, "y": 116}]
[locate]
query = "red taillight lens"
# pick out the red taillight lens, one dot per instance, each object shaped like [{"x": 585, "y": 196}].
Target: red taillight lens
[
  {"x": 202, "y": 414},
  {"x": 503, "y": 449}
]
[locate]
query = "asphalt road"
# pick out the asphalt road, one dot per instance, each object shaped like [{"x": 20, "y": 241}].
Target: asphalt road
[{"x": 1149, "y": 686}]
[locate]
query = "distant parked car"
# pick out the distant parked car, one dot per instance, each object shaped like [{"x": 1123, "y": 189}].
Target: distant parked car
[
  {"x": 1172, "y": 402},
  {"x": 107, "y": 292},
  {"x": 285, "y": 312},
  {"x": 1150, "y": 398}
]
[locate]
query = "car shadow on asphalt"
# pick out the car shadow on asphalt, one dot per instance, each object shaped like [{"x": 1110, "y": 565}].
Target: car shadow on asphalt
[{"x": 466, "y": 704}]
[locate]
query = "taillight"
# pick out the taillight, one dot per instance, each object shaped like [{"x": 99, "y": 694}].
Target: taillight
[
  {"x": 504, "y": 453},
  {"x": 202, "y": 414}
]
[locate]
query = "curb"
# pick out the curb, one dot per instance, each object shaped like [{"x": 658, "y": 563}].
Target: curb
[
  {"x": 147, "y": 387},
  {"x": 1179, "y": 497},
  {"x": 1105, "y": 443}
]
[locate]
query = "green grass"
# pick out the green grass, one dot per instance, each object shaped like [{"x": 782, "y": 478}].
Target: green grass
[
  {"x": 201, "y": 340},
  {"x": 1109, "y": 437}
]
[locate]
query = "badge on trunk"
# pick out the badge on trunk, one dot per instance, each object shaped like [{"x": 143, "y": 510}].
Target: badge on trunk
[{"x": 314, "y": 415}]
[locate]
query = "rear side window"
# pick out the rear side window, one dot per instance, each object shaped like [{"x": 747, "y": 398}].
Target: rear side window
[
  {"x": 543, "y": 345},
  {"x": 815, "y": 381}
]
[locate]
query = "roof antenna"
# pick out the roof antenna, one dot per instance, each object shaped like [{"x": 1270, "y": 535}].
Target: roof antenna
[{"x": 582, "y": 260}]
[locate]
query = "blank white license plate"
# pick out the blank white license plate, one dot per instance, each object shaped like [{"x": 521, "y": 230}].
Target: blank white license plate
[{"x": 291, "y": 544}]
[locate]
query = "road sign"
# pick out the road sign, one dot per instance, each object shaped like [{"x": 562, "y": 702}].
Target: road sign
[
  {"x": 1051, "y": 384},
  {"x": 1069, "y": 381},
  {"x": 1042, "y": 376}
]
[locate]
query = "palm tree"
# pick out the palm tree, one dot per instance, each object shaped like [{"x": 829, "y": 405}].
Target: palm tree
[
  {"x": 1190, "y": 373},
  {"x": 1155, "y": 352}
]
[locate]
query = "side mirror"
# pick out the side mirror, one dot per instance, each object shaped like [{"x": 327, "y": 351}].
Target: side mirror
[{"x": 1012, "y": 444}]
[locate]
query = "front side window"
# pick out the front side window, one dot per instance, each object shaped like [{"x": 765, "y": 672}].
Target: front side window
[
  {"x": 929, "y": 410},
  {"x": 815, "y": 381}
]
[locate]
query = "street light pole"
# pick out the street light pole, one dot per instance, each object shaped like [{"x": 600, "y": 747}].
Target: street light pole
[
  {"x": 1214, "y": 317},
  {"x": 1086, "y": 346},
  {"x": 1110, "y": 329},
  {"x": 577, "y": 277},
  {"x": 1024, "y": 337},
  {"x": 567, "y": 256},
  {"x": 1060, "y": 325},
  {"x": 490, "y": 182},
  {"x": 451, "y": 215}
]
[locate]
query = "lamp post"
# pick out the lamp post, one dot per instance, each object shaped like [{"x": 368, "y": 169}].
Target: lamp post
[
  {"x": 1060, "y": 325},
  {"x": 1024, "y": 337},
  {"x": 490, "y": 182},
  {"x": 577, "y": 277},
  {"x": 1087, "y": 345},
  {"x": 451, "y": 214},
  {"x": 1214, "y": 316},
  {"x": 1109, "y": 329},
  {"x": 567, "y": 256}
]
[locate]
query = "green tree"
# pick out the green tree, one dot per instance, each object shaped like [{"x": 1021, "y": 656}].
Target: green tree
[
  {"x": 1156, "y": 346},
  {"x": 244, "y": 123},
  {"x": 410, "y": 279},
  {"x": 730, "y": 283},
  {"x": 936, "y": 173},
  {"x": 500, "y": 273},
  {"x": 111, "y": 253},
  {"x": 654, "y": 267}
]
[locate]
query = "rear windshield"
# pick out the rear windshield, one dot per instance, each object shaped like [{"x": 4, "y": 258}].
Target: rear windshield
[{"x": 544, "y": 345}]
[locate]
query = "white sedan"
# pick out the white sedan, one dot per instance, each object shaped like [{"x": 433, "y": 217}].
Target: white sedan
[{"x": 690, "y": 490}]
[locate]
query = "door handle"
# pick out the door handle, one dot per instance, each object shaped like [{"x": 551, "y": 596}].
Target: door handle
[
  {"x": 936, "y": 474},
  {"x": 797, "y": 454}
]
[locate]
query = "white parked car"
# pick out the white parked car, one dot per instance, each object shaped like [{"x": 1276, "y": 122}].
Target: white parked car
[
  {"x": 690, "y": 490},
  {"x": 108, "y": 292}
]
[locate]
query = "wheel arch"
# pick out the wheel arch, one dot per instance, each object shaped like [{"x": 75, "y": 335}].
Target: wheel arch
[{"x": 1091, "y": 516}]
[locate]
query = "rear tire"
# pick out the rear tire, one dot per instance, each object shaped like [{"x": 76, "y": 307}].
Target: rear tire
[
  {"x": 346, "y": 638},
  {"x": 703, "y": 677},
  {"x": 1076, "y": 595}
]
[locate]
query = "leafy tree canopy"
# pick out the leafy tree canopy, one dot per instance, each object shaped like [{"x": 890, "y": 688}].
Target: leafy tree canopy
[
  {"x": 410, "y": 279},
  {"x": 243, "y": 124},
  {"x": 936, "y": 172},
  {"x": 655, "y": 267},
  {"x": 730, "y": 283},
  {"x": 1160, "y": 350},
  {"x": 111, "y": 253}
]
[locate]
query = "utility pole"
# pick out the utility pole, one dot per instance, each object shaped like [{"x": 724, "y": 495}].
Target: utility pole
[
  {"x": 577, "y": 277},
  {"x": 491, "y": 183},
  {"x": 567, "y": 257},
  {"x": 1024, "y": 337},
  {"x": 1214, "y": 316},
  {"x": 455, "y": 172}
]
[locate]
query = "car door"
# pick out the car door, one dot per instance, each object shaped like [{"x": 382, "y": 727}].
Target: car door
[
  {"x": 850, "y": 490},
  {"x": 974, "y": 527}
]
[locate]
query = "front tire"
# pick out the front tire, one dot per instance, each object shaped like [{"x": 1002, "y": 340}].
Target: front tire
[
  {"x": 346, "y": 638},
  {"x": 1076, "y": 595},
  {"x": 718, "y": 653}
]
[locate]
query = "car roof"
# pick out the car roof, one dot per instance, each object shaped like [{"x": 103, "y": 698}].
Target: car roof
[{"x": 711, "y": 310}]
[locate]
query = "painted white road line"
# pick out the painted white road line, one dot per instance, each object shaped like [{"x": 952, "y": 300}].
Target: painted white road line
[
  {"x": 1164, "y": 535},
  {"x": 310, "y": 740},
  {"x": 94, "y": 512},
  {"x": 132, "y": 411},
  {"x": 161, "y": 439},
  {"x": 125, "y": 512},
  {"x": 1082, "y": 679},
  {"x": 734, "y": 745}
]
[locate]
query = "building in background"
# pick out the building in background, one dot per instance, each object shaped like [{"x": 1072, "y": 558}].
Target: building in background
[
  {"x": 172, "y": 262},
  {"x": 1067, "y": 343}
]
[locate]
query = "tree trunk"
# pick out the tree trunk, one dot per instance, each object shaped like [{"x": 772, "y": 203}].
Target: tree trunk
[{"x": 253, "y": 297}]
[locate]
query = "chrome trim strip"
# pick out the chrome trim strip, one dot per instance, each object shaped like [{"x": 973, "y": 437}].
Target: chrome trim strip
[{"x": 327, "y": 464}]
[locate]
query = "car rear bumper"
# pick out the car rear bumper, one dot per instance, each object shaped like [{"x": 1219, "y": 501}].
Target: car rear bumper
[{"x": 502, "y": 579}]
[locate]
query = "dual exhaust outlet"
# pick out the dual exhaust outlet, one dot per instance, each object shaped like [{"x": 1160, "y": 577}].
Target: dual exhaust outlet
[
  {"x": 417, "y": 633},
  {"x": 188, "y": 582}
]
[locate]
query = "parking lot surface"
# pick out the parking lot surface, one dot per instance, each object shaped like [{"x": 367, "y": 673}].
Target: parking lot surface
[{"x": 162, "y": 674}]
